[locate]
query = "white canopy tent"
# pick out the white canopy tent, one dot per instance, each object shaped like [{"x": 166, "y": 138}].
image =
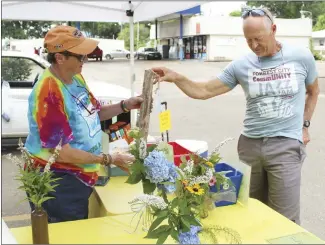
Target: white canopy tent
[{"x": 97, "y": 11}]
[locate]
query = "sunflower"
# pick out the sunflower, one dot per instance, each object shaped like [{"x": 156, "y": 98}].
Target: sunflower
[
  {"x": 209, "y": 164},
  {"x": 195, "y": 189}
]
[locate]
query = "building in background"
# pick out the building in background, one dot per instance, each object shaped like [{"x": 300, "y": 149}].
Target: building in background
[
  {"x": 219, "y": 37},
  {"x": 318, "y": 38}
]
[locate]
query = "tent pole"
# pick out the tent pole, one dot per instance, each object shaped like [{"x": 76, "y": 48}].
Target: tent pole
[{"x": 129, "y": 13}]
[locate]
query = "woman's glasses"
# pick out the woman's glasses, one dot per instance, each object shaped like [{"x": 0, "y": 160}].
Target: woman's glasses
[{"x": 80, "y": 57}]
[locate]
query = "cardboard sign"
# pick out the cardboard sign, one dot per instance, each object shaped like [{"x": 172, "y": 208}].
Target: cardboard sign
[{"x": 164, "y": 121}]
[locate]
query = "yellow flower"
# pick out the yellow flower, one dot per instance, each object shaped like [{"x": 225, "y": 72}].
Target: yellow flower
[
  {"x": 195, "y": 189},
  {"x": 209, "y": 164},
  {"x": 185, "y": 182}
]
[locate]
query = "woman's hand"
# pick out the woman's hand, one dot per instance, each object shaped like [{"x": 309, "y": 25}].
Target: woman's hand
[
  {"x": 122, "y": 160},
  {"x": 133, "y": 102}
]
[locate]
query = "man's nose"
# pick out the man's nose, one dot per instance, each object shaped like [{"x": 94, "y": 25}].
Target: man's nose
[{"x": 254, "y": 44}]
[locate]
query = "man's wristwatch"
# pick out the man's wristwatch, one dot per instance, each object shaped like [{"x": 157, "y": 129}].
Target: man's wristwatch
[
  {"x": 107, "y": 159},
  {"x": 306, "y": 124}
]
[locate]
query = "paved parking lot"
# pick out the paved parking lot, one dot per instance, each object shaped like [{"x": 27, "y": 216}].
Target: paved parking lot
[{"x": 211, "y": 120}]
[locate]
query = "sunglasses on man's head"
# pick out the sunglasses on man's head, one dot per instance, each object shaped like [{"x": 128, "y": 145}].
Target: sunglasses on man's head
[{"x": 255, "y": 13}]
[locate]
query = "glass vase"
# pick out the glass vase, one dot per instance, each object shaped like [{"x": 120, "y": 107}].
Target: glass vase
[{"x": 39, "y": 220}]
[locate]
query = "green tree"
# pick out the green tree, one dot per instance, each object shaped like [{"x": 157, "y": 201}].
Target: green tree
[
  {"x": 320, "y": 24},
  {"x": 24, "y": 29},
  {"x": 100, "y": 29},
  {"x": 316, "y": 54},
  {"x": 15, "y": 69},
  {"x": 144, "y": 35},
  {"x": 291, "y": 10},
  {"x": 236, "y": 13}
]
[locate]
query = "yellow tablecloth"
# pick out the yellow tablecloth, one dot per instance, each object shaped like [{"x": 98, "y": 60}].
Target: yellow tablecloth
[
  {"x": 114, "y": 197},
  {"x": 255, "y": 224}
]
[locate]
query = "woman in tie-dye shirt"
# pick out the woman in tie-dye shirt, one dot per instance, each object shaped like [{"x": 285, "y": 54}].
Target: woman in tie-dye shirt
[{"x": 61, "y": 107}]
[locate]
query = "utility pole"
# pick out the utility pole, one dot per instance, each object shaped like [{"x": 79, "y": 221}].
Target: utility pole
[{"x": 138, "y": 34}]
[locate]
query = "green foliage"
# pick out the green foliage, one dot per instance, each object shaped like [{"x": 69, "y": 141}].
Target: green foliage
[
  {"x": 100, "y": 29},
  {"x": 24, "y": 29},
  {"x": 236, "y": 13},
  {"x": 317, "y": 55},
  {"x": 192, "y": 200},
  {"x": 36, "y": 183},
  {"x": 144, "y": 34},
  {"x": 15, "y": 69},
  {"x": 320, "y": 24},
  {"x": 291, "y": 9}
]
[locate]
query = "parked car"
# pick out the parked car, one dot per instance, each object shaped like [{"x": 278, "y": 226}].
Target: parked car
[
  {"x": 96, "y": 54},
  {"x": 20, "y": 71},
  {"x": 148, "y": 54},
  {"x": 118, "y": 53}
]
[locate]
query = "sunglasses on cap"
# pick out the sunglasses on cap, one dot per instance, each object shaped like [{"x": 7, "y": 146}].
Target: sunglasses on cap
[
  {"x": 78, "y": 56},
  {"x": 255, "y": 13}
]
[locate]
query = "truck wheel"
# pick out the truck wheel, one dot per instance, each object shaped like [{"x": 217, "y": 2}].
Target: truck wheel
[
  {"x": 108, "y": 57},
  {"x": 101, "y": 58}
]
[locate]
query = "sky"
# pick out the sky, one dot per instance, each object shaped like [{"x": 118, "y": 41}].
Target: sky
[{"x": 221, "y": 8}]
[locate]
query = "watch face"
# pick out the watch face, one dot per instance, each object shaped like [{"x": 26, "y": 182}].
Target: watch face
[{"x": 306, "y": 124}]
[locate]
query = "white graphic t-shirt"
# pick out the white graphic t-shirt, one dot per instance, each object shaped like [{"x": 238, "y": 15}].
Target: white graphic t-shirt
[{"x": 275, "y": 89}]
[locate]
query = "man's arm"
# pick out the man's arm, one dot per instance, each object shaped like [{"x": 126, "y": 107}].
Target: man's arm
[
  {"x": 312, "y": 92},
  {"x": 224, "y": 82},
  {"x": 201, "y": 90},
  {"x": 312, "y": 88}
]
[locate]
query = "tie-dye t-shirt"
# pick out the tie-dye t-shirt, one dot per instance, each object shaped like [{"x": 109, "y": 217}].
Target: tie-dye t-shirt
[{"x": 64, "y": 111}]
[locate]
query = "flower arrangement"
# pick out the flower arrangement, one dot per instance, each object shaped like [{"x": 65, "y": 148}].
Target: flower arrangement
[
  {"x": 36, "y": 183},
  {"x": 175, "y": 198}
]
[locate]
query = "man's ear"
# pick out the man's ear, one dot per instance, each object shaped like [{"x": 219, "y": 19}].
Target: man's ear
[{"x": 274, "y": 28}]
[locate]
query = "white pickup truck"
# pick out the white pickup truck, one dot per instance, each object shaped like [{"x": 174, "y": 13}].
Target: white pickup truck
[{"x": 19, "y": 73}]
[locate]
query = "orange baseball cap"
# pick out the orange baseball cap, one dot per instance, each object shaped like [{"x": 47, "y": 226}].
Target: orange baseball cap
[{"x": 68, "y": 38}]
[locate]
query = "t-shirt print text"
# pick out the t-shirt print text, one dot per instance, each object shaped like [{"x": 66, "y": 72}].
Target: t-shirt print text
[{"x": 273, "y": 88}]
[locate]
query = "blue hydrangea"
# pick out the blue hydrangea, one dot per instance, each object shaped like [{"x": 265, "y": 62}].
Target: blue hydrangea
[
  {"x": 157, "y": 167},
  {"x": 190, "y": 237},
  {"x": 168, "y": 188}
]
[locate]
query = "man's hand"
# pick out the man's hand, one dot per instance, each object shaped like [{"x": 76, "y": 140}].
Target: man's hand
[
  {"x": 165, "y": 74},
  {"x": 305, "y": 135},
  {"x": 122, "y": 160},
  {"x": 133, "y": 102}
]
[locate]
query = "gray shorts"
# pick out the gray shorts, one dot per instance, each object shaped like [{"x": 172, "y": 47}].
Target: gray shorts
[{"x": 276, "y": 172}]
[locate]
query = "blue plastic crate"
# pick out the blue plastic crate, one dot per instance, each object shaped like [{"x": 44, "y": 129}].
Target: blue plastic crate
[{"x": 236, "y": 178}]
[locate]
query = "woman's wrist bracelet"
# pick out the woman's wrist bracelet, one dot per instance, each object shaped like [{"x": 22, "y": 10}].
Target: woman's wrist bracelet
[
  {"x": 123, "y": 106},
  {"x": 107, "y": 160}
]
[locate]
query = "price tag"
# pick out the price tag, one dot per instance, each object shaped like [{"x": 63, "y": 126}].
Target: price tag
[{"x": 164, "y": 121}]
